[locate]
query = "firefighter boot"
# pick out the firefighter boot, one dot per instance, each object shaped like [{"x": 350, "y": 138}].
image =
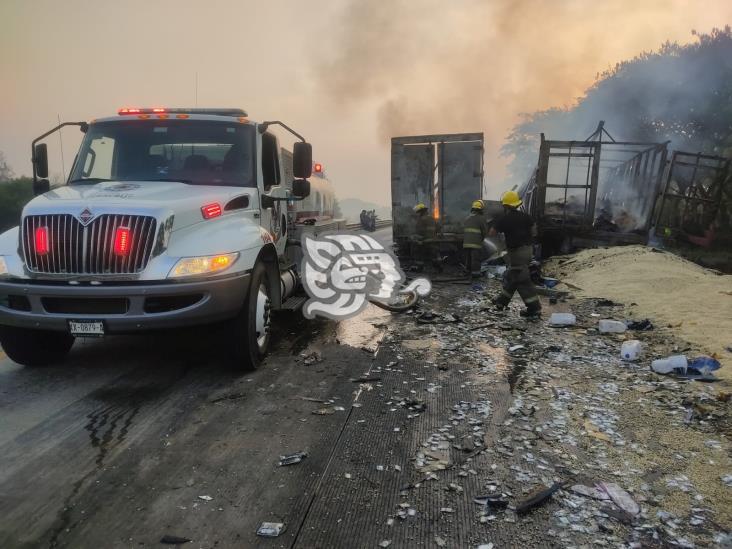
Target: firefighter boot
[{"x": 532, "y": 311}]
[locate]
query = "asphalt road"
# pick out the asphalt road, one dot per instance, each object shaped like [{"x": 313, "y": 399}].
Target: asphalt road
[
  {"x": 134, "y": 438},
  {"x": 115, "y": 447}
]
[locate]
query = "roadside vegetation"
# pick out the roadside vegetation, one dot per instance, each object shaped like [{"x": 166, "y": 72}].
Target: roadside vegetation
[{"x": 15, "y": 192}]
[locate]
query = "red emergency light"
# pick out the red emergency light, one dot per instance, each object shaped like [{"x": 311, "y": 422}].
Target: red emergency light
[
  {"x": 122, "y": 241},
  {"x": 318, "y": 168},
  {"x": 210, "y": 211},
  {"x": 41, "y": 235},
  {"x": 129, "y": 110}
]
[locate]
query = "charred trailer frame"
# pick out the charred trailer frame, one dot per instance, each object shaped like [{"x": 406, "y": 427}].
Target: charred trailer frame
[
  {"x": 596, "y": 191},
  {"x": 697, "y": 195}
]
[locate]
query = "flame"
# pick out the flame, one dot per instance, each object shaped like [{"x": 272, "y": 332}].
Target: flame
[{"x": 436, "y": 213}]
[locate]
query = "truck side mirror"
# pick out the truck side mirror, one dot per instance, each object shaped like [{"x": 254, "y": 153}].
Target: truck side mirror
[
  {"x": 40, "y": 160},
  {"x": 302, "y": 160},
  {"x": 301, "y": 188}
]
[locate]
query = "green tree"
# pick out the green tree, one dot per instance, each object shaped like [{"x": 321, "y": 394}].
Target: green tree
[{"x": 14, "y": 194}]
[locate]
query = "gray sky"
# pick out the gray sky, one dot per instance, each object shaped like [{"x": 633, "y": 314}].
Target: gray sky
[{"x": 348, "y": 75}]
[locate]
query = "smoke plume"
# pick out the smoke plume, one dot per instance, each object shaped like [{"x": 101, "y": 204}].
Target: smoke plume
[{"x": 470, "y": 65}]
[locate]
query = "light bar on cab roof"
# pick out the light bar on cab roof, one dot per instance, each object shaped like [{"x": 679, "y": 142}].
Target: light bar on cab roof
[{"x": 162, "y": 110}]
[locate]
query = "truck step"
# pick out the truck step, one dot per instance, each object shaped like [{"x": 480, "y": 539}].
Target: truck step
[{"x": 294, "y": 303}]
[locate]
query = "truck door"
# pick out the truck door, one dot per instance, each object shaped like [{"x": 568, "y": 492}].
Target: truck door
[
  {"x": 272, "y": 216},
  {"x": 412, "y": 182},
  {"x": 460, "y": 181}
]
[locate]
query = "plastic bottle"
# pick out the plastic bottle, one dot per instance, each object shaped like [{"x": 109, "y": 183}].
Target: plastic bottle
[
  {"x": 668, "y": 365},
  {"x": 562, "y": 319},
  {"x": 612, "y": 326},
  {"x": 631, "y": 350}
]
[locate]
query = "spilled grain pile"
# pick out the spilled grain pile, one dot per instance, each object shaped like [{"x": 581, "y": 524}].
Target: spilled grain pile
[{"x": 695, "y": 301}]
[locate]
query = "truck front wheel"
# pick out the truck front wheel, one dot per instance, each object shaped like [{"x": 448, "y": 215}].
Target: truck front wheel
[
  {"x": 35, "y": 347},
  {"x": 250, "y": 329}
]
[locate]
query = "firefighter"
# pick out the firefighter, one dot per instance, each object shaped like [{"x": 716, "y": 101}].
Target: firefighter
[
  {"x": 474, "y": 233},
  {"x": 425, "y": 239},
  {"x": 520, "y": 230}
]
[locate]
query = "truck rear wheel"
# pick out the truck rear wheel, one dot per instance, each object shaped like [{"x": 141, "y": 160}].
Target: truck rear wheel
[
  {"x": 250, "y": 329},
  {"x": 35, "y": 347}
]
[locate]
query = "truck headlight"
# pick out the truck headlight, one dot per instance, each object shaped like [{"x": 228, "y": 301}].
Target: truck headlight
[
  {"x": 3, "y": 266},
  {"x": 208, "y": 264}
]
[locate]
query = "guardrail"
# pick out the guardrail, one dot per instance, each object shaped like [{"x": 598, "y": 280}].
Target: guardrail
[{"x": 380, "y": 224}]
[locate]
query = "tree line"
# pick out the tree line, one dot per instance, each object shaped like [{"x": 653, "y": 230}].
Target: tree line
[
  {"x": 680, "y": 93},
  {"x": 15, "y": 192}
]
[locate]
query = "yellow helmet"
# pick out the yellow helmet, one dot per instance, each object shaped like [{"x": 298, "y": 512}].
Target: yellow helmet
[
  {"x": 420, "y": 207},
  {"x": 477, "y": 205},
  {"x": 511, "y": 199}
]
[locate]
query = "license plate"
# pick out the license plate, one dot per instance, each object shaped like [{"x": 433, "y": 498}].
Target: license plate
[{"x": 86, "y": 328}]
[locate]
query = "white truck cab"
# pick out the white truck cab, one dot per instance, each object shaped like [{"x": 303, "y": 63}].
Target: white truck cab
[{"x": 169, "y": 218}]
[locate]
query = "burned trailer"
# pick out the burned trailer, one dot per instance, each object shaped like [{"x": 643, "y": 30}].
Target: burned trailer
[
  {"x": 445, "y": 173},
  {"x": 696, "y": 201},
  {"x": 594, "y": 192}
]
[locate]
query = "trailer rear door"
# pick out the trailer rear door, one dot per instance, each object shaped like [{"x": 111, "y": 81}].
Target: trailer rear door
[
  {"x": 412, "y": 182},
  {"x": 460, "y": 181}
]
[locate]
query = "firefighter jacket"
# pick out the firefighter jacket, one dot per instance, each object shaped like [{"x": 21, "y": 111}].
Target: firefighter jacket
[
  {"x": 426, "y": 228},
  {"x": 475, "y": 231}
]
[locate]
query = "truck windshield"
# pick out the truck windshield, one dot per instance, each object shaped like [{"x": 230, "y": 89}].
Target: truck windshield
[{"x": 197, "y": 152}]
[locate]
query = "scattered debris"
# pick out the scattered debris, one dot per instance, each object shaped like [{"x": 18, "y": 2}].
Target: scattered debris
[
  {"x": 365, "y": 379},
  {"x": 538, "y": 497},
  {"x": 611, "y": 326},
  {"x": 291, "y": 459},
  {"x": 167, "y": 539},
  {"x": 205, "y": 498},
  {"x": 330, "y": 410},
  {"x": 312, "y": 357},
  {"x": 577, "y": 409},
  {"x": 312, "y": 399},
  {"x": 498, "y": 502},
  {"x": 704, "y": 365},
  {"x": 562, "y": 319},
  {"x": 270, "y": 529},
  {"x": 670, "y": 364},
  {"x": 620, "y": 497},
  {"x": 590, "y": 492},
  {"x": 640, "y": 325},
  {"x": 631, "y": 350},
  {"x": 232, "y": 396}
]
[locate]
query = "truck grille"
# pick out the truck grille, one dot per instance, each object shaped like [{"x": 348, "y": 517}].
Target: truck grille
[{"x": 79, "y": 250}]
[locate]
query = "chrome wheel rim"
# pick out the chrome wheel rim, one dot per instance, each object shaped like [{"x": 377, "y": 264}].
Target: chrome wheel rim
[{"x": 262, "y": 320}]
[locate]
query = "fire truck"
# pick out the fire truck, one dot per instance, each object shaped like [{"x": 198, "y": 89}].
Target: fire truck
[{"x": 169, "y": 218}]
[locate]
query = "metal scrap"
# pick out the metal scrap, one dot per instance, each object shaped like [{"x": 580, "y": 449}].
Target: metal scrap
[{"x": 539, "y": 497}]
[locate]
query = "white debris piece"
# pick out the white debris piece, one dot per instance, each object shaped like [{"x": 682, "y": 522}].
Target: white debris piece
[{"x": 620, "y": 497}]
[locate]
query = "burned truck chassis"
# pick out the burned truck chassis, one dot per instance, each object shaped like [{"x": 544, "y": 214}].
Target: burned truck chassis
[{"x": 602, "y": 191}]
